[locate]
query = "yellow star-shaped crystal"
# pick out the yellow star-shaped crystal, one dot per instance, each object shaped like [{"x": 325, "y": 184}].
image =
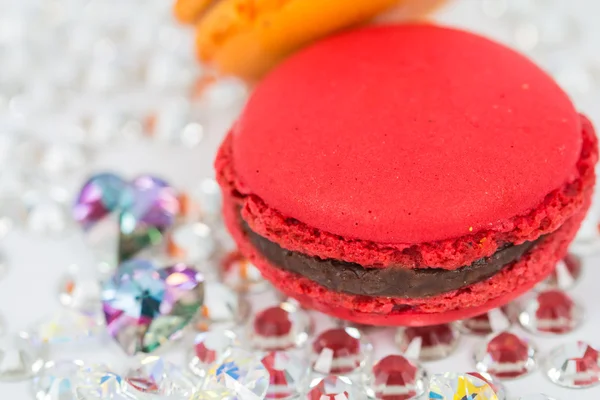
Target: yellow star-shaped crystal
[{"x": 466, "y": 390}]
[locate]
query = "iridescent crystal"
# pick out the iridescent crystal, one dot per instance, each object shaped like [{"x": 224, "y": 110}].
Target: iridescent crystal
[
  {"x": 78, "y": 293},
  {"x": 98, "y": 197},
  {"x": 340, "y": 351},
  {"x": 395, "y": 377},
  {"x": 241, "y": 275},
  {"x": 96, "y": 383},
  {"x": 145, "y": 306},
  {"x": 279, "y": 328},
  {"x": 242, "y": 373},
  {"x": 506, "y": 356},
  {"x": 551, "y": 311},
  {"x": 191, "y": 242},
  {"x": 334, "y": 387},
  {"x": 57, "y": 380},
  {"x": 210, "y": 347},
  {"x": 222, "y": 308},
  {"x": 437, "y": 341},
  {"x": 466, "y": 386},
  {"x": 154, "y": 375},
  {"x": 573, "y": 365},
  {"x": 288, "y": 374},
  {"x": 21, "y": 356},
  {"x": 565, "y": 275}
]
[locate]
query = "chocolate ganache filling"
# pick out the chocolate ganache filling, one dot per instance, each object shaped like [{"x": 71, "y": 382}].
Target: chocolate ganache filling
[{"x": 393, "y": 281}]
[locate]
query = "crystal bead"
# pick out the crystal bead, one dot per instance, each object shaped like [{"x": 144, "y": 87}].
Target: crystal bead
[
  {"x": 280, "y": 327},
  {"x": 484, "y": 324},
  {"x": 146, "y": 307},
  {"x": 451, "y": 386},
  {"x": 210, "y": 347},
  {"x": 551, "y": 311},
  {"x": 334, "y": 387},
  {"x": 288, "y": 375},
  {"x": 154, "y": 375},
  {"x": 98, "y": 197},
  {"x": 191, "y": 242},
  {"x": 395, "y": 377},
  {"x": 21, "y": 357},
  {"x": 573, "y": 365},
  {"x": 566, "y": 274},
  {"x": 222, "y": 307},
  {"x": 437, "y": 341},
  {"x": 340, "y": 351},
  {"x": 69, "y": 326},
  {"x": 56, "y": 380},
  {"x": 240, "y": 274},
  {"x": 506, "y": 356},
  {"x": 242, "y": 373}
]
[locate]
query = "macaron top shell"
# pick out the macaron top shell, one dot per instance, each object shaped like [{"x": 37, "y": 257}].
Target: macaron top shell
[{"x": 406, "y": 134}]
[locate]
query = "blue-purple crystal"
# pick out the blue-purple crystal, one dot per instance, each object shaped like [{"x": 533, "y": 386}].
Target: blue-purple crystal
[{"x": 98, "y": 197}]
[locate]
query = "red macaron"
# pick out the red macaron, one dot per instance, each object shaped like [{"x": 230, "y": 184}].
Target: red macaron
[{"x": 407, "y": 175}]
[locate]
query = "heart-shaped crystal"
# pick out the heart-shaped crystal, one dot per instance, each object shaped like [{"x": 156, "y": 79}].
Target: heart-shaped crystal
[
  {"x": 146, "y": 207},
  {"x": 146, "y": 306}
]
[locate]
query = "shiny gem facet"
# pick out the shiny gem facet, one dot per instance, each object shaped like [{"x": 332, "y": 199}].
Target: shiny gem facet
[
  {"x": 395, "y": 377},
  {"x": 98, "y": 197},
  {"x": 551, "y": 311},
  {"x": 240, "y": 372},
  {"x": 21, "y": 356},
  {"x": 279, "y": 327},
  {"x": 57, "y": 380},
  {"x": 222, "y": 308},
  {"x": 466, "y": 386},
  {"x": 334, "y": 387},
  {"x": 437, "y": 341},
  {"x": 573, "y": 365},
  {"x": 145, "y": 306},
  {"x": 484, "y": 324},
  {"x": 154, "y": 375},
  {"x": 191, "y": 242},
  {"x": 288, "y": 374},
  {"x": 506, "y": 356},
  {"x": 340, "y": 351},
  {"x": 209, "y": 347},
  {"x": 240, "y": 274}
]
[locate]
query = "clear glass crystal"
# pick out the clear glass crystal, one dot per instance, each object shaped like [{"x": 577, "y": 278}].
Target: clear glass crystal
[
  {"x": 222, "y": 308},
  {"x": 451, "y": 386},
  {"x": 68, "y": 326},
  {"x": 437, "y": 341},
  {"x": 191, "y": 242},
  {"x": 288, "y": 374},
  {"x": 573, "y": 365},
  {"x": 550, "y": 312},
  {"x": 397, "y": 377},
  {"x": 240, "y": 274},
  {"x": 506, "y": 356},
  {"x": 57, "y": 380},
  {"x": 340, "y": 351},
  {"x": 154, "y": 375},
  {"x": 280, "y": 327},
  {"x": 334, "y": 387},
  {"x": 209, "y": 347},
  {"x": 21, "y": 356}
]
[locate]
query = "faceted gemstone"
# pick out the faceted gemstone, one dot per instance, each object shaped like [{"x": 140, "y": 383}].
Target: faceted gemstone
[
  {"x": 466, "y": 386},
  {"x": 242, "y": 373},
  {"x": 145, "y": 306},
  {"x": 97, "y": 383},
  {"x": 222, "y": 307},
  {"x": 214, "y": 394},
  {"x": 340, "y": 351},
  {"x": 191, "y": 242},
  {"x": 21, "y": 357},
  {"x": 98, "y": 197},
  {"x": 279, "y": 328},
  {"x": 288, "y": 374},
  {"x": 484, "y": 324},
  {"x": 209, "y": 347},
  {"x": 333, "y": 387},
  {"x": 573, "y": 365},
  {"x": 57, "y": 380},
  {"x": 552, "y": 311},
  {"x": 565, "y": 275},
  {"x": 505, "y": 355},
  {"x": 69, "y": 326},
  {"x": 494, "y": 383},
  {"x": 154, "y": 375},
  {"x": 240, "y": 274},
  {"x": 437, "y": 341},
  {"x": 395, "y": 377}
]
